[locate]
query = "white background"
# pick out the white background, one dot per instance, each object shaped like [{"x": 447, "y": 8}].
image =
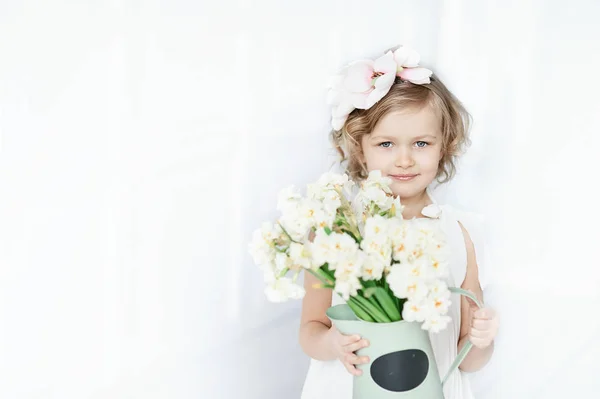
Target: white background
[{"x": 141, "y": 142}]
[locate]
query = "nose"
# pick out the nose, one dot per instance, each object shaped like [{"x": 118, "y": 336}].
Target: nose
[{"x": 404, "y": 158}]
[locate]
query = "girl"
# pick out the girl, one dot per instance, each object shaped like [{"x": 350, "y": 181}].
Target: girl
[{"x": 393, "y": 116}]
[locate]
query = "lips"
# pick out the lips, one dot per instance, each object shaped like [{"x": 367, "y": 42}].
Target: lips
[{"x": 403, "y": 177}]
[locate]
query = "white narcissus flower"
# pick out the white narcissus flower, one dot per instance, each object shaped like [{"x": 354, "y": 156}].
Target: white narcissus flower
[
  {"x": 332, "y": 248},
  {"x": 403, "y": 248},
  {"x": 282, "y": 262},
  {"x": 347, "y": 287},
  {"x": 440, "y": 303},
  {"x": 316, "y": 214},
  {"x": 350, "y": 266},
  {"x": 435, "y": 322},
  {"x": 288, "y": 198},
  {"x": 261, "y": 247},
  {"x": 406, "y": 286},
  {"x": 330, "y": 200},
  {"x": 417, "y": 269},
  {"x": 282, "y": 289},
  {"x": 300, "y": 255},
  {"x": 398, "y": 206},
  {"x": 379, "y": 247},
  {"x": 415, "y": 311},
  {"x": 330, "y": 179},
  {"x": 306, "y": 213},
  {"x": 439, "y": 288},
  {"x": 438, "y": 266},
  {"x": 376, "y": 189},
  {"x": 376, "y": 228},
  {"x": 330, "y": 182},
  {"x": 439, "y": 297},
  {"x": 373, "y": 268},
  {"x": 375, "y": 178}
]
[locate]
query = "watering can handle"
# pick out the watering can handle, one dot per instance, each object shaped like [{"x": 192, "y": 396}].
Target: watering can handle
[{"x": 465, "y": 350}]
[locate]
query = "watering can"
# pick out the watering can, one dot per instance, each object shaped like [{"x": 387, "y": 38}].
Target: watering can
[{"x": 402, "y": 361}]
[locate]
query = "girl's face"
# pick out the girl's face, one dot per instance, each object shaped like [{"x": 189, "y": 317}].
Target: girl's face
[{"x": 407, "y": 147}]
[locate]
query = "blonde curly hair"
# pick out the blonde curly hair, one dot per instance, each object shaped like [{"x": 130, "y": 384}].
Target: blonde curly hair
[{"x": 455, "y": 125}]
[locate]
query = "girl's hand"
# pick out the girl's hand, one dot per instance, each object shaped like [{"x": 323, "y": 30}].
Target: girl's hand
[
  {"x": 484, "y": 327},
  {"x": 345, "y": 346}
]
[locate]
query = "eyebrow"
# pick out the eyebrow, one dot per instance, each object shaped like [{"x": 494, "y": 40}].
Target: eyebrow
[{"x": 425, "y": 136}]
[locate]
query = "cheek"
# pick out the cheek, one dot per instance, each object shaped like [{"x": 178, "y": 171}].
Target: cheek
[
  {"x": 430, "y": 161},
  {"x": 371, "y": 158}
]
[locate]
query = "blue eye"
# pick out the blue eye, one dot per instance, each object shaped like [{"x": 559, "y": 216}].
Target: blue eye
[
  {"x": 422, "y": 142},
  {"x": 385, "y": 146}
]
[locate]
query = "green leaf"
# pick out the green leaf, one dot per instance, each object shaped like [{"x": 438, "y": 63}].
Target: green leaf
[
  {"x": 359, "y": 311},
  {"x": 388, "y": 304},
  {"x": 375, "y": 313}
]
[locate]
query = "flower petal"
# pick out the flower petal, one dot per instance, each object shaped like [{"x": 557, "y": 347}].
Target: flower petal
[
  {"x": 334, "y": 97},
  {"x": 385, "y": 63},
  {"x": 359, "y": 100},
  {"x": 338, "y": 123},
  {"x": 407, "y": 57},
  {"x": 416, "y": 75},
  {"x": 342, "y": 109},
  {"x": 359, "y": 75},
  {"x": 375, "y": 96},
  {"x": 385, "y": 81}
]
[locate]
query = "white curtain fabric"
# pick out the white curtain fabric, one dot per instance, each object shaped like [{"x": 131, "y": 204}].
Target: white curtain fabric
[{"x": 142, "y": 142}]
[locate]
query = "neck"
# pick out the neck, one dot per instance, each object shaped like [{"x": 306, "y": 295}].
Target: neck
[{"x": 414, "y": 205}]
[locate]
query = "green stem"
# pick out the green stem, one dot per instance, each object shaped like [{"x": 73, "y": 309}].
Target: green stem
[
  {"x": 377, "y": 305},
  {"x": 286, "y": 233},
  {"x": 388, "y": 304},
  {"x": 379, "y": 316},
  {"x": 359, "y": 311},
  {"x": 317, "y": 275},
  {"x": 380, "y": 298}
]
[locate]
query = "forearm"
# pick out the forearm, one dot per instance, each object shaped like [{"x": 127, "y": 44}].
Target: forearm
[
  {"x": 314, "y": 341},
  {"x": 477, "y": 358}
]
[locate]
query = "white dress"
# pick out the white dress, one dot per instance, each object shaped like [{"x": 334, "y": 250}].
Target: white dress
[{"x": 330, "y": 380}]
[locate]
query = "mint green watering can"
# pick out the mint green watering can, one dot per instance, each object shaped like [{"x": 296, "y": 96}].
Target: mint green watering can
[{"x": 402, "y": 361}]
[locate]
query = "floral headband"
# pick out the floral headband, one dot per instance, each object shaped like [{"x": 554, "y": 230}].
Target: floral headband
[{"x": 363, "y": 83}]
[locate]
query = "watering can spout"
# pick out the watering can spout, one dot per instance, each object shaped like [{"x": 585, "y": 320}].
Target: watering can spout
[{"x": 465, "y": 350}]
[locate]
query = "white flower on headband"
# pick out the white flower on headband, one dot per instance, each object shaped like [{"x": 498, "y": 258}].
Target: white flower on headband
[{"x": 363, "y": 83}]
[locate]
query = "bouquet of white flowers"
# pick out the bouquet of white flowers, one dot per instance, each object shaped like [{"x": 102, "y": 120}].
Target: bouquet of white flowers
[{"x": 385, "y": 267}]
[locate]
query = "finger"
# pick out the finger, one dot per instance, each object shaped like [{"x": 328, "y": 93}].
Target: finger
[
  {"x": 351, "y": 369},
  {"x": 351, "y": 358},
  {"x": 480, "y": 343},
  {"x": 484, "y": 314},
  {"x": 476, "y": 333},
  {"x": 349, "y": 339},
  {"x": 482, "y": 324},
  {"x": 363, "y": 343}
]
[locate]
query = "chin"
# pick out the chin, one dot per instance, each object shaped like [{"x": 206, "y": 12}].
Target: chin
[{"x": 406, "y": 191}]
